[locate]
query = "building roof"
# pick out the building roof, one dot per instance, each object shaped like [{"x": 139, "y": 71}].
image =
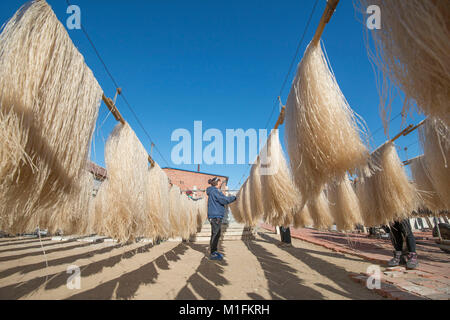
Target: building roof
[
  {"x": 101, "y": 173},
  {"x": 98, "y": 171},
  {"x": 209, "y": 174}
]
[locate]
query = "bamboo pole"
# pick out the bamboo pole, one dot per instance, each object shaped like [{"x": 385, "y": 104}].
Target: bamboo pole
[
  {"x": 402, "y": 133},
  {"x": 408, "y": 130},
  {"x": 326, "y": 16},
  {"x": 408, "y": 162},
  {"x": 115, "y": 112},
  {"x": 280, "y": 120},
  {"x": 415, "y": 127},
  {"x": 111, "y": 106}
]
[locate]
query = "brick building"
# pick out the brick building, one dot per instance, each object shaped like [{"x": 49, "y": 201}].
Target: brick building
[{"x": 188, "y": 180}]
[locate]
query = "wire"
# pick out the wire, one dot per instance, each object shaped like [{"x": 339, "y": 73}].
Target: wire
[
  {"x": 117, "y": 86},
  {"x": 42, "y": 247},
  {"x": 145, "y": 131},
  {"x": 294, "y": 58},
  {"x": 398, "y": 115},
  {"x": 412, "y": 144}
]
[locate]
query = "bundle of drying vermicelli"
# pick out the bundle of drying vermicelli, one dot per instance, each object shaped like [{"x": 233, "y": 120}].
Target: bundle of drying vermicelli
[
  {"x": 428, "y": 195},
  {"x": 435, "y": 139},
  {"x": 192, "y": 214},
  {"x": 320, "y": 212},
  {"x": 256, "y": 200},
  {"x": 344, "y": 205},
  {"x": 202, "y": 212},
  {"x": 184, "y": 216},
  {"x": 73, "y": 216},
  {"x": 280, "y": 196},
  {"x": 386, "y": 195},
  {"x": 412, "y": 52},
  {"x": 12, "y": 138},
  {"x": 247, "y": 205},
  {"x": 158, "y": 193},
  {"x": 241, "y": 208},
  {"x": 122, "y": 210},
  {"x": 322, "y": 131},
  {"x": 49, "y": 102},
  {"x": 175, "y": 209},
  {"x": 237, "y": 209},
  {"x": 302, "y": 218}
]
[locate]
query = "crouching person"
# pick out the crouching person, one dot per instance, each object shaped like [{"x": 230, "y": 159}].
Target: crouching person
[{"x": 216, "y": 211}]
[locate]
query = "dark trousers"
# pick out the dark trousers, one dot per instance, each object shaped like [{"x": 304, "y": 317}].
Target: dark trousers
[
  {"x": 216, "y": 225},
  {"x": 400, "y": 229},
  {"x": 285, "y": 235}
]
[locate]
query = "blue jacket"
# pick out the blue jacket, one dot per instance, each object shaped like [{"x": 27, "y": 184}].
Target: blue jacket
[{"x": 216, "y": 202}]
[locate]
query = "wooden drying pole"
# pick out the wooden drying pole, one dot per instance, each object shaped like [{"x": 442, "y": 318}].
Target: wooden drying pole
[
  {"x": 326, "y": 16},
  {"x": 115, "y": 112},
  {"x": 329, "y": 10},
  {"x": 407, "y": 130},
  {"x": 280, "y": 119},
  {"x": 404, "y": 133}
]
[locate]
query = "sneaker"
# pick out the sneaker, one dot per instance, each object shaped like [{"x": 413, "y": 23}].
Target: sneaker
[
  {"x": 412, "y": 261},
  {"x": 403, "y": 259},
  {"x": 395, "y": 261},
  {"x": 215, "y": 256}
]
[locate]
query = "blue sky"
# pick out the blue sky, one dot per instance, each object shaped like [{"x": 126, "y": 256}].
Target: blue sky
[{"x": 219, "y": 62}]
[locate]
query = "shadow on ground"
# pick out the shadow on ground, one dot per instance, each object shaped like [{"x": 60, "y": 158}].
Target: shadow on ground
[
  {"x": 330, "y": 271},
  {"x": 126, "y": 286},
  {"x": 283, "y": 283},
  {"x": 199, "y": 282}
]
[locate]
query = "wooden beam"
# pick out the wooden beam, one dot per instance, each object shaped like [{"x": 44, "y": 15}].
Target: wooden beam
[
  {"x": 415, "y": 127},
  {"x": 408, "y": 130},
  {"x": 152, "y": 162},
  {"x": 115, "y": 112},
  {"x": 326, "y": 16},
  {"x": 111, "y": 106},
  {"x": 280, "y": 120},
  {"x": 401, "y": 133}
]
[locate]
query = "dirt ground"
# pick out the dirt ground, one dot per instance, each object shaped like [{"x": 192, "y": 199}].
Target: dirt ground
[{"x": 255, "y": 269}]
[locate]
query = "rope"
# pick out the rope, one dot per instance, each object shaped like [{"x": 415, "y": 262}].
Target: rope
[
  {"x": 117, "y": 86},
  {"x": 278, "y": 99},
  {"x": 43, "y": 250},
  {"x": 398, "y": 115},
  {"x": 294, "y": 58}
]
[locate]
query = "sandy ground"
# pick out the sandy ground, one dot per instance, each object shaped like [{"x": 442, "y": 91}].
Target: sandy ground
[{"x": 255, "y": 269}]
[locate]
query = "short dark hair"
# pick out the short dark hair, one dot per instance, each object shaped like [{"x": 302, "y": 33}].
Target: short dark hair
[{"x": 214, "y": 181}]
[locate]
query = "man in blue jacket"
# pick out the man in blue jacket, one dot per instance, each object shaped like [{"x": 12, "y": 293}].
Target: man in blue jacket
[{"x": 216, "y": 210}]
